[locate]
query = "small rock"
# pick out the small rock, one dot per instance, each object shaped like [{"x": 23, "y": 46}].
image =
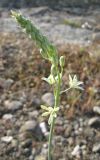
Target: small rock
[
  {"x": 28, "y": 126},
  {"x": 8, "y": 83},
  {"x": 33, "y": 114},
  {"x": 94, "y": 122},
  {"x": 31, "y": 157},
  {"x": 70, "y": 141},
  {"x": 40, "y": 157},
  {"x": 7, "y": 116},
  {"x": 23, "y": 136},
  {"x": 96, "y": 148},
  {"x": 13, "y": 105},
  {"x": 96, "y": 109},
  {"x": 48, "y": 99},
  {"x": 86, "y": 25},
  {"x": 76, "y": 151},
  {"x": 26, "y": 144},
  {"x": 7, "y": 139},
  {"x": 36, "y": 102},
  {"x": 96, "y": 37},
  {"x": 89, "y": 132},
  {"x": 43, "y": 128},
  {"x": 59, "y": 121},
  {"x": 27, "y": 152},
  {"x": 59, "y": 130},
  {"x": 14, "y": 143},
  {"x": 68, "y": 131}
]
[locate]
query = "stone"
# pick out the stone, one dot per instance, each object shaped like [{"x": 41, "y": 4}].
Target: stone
[
  {"x": 43, "y": 127},
  {"x": 26, "y": 144},
  {"x": 27, "y": 152},
  {"x": 70, "y": 141},
  {"x": 31, "y": 157},
  {"x": 7, "y": 116},
  {"x": 33, "y": 114},
  {"x": 28, "y": 126},
  {"x": 59, "y": 121},
  {"x": 40, "y": 157},
  {"x": 14, "y": 143},
  {"x": 36, "y": 102},
  {"x": 89, "y": 133},
  {"x": 48, "y": 99},
  {"x": 96, "y": 109},
  {"x": 13, "y": 105},
  {"x": 23, "y": 136},
  {"x": 76, "y": 151},
  {"x": 96, "y": 148},
  {"x": 68, "y": 130},
  {"x": 94, "y": 122},
  {"x": 7, "y": 139},
  {"x": 96, "y": 37},
  {"x": 8, "y": 83}
]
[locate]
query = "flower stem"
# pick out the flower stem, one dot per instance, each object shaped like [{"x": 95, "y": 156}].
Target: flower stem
[
  {"x": 50, "y": 139},
  {"x": 57, "y": 99}
]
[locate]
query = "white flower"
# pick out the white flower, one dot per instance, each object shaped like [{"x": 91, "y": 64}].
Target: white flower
[
  {"x": 50, "y": 79},
  {"x": 52, "y": 112},
  {"x": 74, "y": 83}
]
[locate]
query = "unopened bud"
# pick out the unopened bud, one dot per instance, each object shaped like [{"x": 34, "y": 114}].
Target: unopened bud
[
  {"x": 62, "y": 61},
  {"x": 53, "y": 70}
]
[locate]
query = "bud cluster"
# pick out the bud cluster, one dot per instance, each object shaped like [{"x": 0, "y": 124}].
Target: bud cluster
[{"x": 47, "y": 50}]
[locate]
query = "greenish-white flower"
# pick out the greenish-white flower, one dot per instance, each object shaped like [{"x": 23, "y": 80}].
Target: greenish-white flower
[
  {"x": 49, "y": 111},
  {"x": 74, "y": 83},
  {"x": 51, "y": 79}
]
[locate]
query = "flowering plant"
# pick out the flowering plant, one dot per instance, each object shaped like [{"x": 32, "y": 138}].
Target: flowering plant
[{"x": 48, "y": 52}]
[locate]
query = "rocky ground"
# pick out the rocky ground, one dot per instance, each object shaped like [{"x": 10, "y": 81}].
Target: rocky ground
[{"x": 23, "y": 132}]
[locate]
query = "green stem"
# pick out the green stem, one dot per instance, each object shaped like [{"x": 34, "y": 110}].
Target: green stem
[
  {"x": 50, "y": 139},
  {"x": 57, "y": 98}
]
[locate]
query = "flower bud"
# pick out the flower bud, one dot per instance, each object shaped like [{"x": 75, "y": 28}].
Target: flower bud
[
  {"x": 62, "y": 61},
  {"x": 53, "y": 70}
]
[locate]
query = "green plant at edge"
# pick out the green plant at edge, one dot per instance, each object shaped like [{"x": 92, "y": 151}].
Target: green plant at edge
[{"x": 48, "y": 52}]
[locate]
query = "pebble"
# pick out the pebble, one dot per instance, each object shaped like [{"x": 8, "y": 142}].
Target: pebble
[
  {"x": 14, "y": 143},
  {"x": 48, "y": 99},
  {"x": 7, "y": 116},
  {"x": 96, "y": 37},
  {"x": 96, "y": 109},
  {"x": 40, "y": 157},
  {"x": 33, "y": 114},
  {"x": 44, "y": 128},
  {"x": 13, "y": 105},
  {"x": 36, "y": 102},
  {"x": 94, "y": 122},
  {"x": 96, "y": 148},
  {"x": 68, "y": 130},
  {"x": 27, "y": 143},
  {"x": 31, "y": 157},
  {"x": 59, "y": 121},
  {"x": 8, "y": 83},
  {"x": 28, "y": 126},
  {"x": 22, "y": 136},
  {"x": 76, "y": 151},
  {"x": 70, "y": 141},
  {"x": 7, "y": 139},
  {"x": 27, "y": 152}
]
